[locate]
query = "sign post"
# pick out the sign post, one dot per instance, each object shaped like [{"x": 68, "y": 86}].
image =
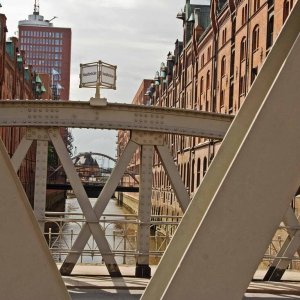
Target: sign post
[{"x": 98, "y": 75}]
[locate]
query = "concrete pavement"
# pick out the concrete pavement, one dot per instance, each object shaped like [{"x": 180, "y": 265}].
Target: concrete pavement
[{"x": 89, "y": 282}]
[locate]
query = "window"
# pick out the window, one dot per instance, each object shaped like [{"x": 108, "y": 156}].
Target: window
[
  {"x": 243, "y": 49},
  {"x": 208, "y": 80},
  {"x": 287, "y": 7},
  {"x": 231, "y": 90},
  {"x": 242, "y": 87},
  {"x": 255, "y": 38},
  {"x": 201, "y": 85},
  {"x": 198, "y": 171},
  {"x": 233, "y": 28},
  {"x": 254, "y": 72},
  {"x": 202, "y": 60},
  {"x": 244, "y": 14},
  {"x": 223, "y": 66},
  {"x": 222, "y": 95},
  {"x": 193, "y": 176},
  {"x": 209, "y": 53},
  {"x": 204, "y": 165},
  {"x": 270, "y": 32},
  {"x": 256, "y": 5},
  {"x": 224, "y": 36}
]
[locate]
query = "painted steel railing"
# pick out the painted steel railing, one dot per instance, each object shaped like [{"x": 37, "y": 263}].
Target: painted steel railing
[{"x": 62, "y": 229}]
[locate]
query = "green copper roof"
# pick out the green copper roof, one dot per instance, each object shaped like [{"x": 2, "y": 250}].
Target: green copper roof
[
  {"x": 202, "y": 15},
  {"x": 10, "y": 49},
  {"x": 43, "y": 89},
  {"x": 38, "y": 79}
]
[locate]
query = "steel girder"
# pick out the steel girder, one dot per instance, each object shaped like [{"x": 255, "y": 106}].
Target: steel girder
[{"x": 76, "y": 114}]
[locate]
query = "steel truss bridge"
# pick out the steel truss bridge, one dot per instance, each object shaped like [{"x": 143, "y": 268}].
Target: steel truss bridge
[
  {"x": 226, "y": 227},
  {"x": 92, "y": 188}
]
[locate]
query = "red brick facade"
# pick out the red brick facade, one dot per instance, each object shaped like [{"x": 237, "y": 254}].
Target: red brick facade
[
  {"x": 211, "y": 70},
  {"x": 15, "y": 83}
]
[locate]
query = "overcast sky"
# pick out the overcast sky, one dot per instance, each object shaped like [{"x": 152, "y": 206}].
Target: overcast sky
[{"x": 135, "y": 35}]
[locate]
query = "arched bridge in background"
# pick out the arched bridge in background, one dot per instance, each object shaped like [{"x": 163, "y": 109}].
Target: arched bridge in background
[
  {"x": 228, "y": 224},
  {"x": 93, "y": 174}
]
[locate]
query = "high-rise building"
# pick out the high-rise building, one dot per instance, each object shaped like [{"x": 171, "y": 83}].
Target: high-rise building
[{"x": 48, "y": 50}]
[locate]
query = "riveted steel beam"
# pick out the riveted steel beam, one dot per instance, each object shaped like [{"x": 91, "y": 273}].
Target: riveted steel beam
[
  {"x": 144, "y": 213},
  {"x": 174, "y": 176},
  {"x": 99, "y": 207},
  {"x": 147, "y": 138},
  {"x": 20, "y": 153},
  {"x": 113, "y": 116},
  {"x": 91, "y": 218},
  {"x": 288, "y": 249},
  {"x": 27, "y": 267},
  {"x": 40, "y": 182}
]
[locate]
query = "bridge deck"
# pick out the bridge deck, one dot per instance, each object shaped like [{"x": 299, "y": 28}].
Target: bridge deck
[{"x": 93, "y": 281}]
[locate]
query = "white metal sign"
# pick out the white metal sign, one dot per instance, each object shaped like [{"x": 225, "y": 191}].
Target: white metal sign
[
  {"x": 108, "y": 75},
  {"x": 89, "y": 75},
  {"x": 98, "y": 74}
]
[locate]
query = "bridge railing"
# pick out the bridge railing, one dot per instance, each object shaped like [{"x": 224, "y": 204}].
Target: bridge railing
[
  {"x": 62, "y": 229},
  {"x": 121, "y": 233}
]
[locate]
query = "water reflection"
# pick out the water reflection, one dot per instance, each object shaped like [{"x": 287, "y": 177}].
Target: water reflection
[
  {"x": 119, "y": 236},
  {"x": 119, "y": 231}
]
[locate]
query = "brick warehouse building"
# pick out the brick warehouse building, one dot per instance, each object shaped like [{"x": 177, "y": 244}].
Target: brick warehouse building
[
  {"x": 211, "y": 69},
  {"x": 17, "y": 81},
  {"x": 48, "y": 50}
]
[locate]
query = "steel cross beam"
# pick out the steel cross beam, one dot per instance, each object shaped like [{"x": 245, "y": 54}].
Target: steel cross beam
[
  {"x": 92, "y": 219},
  {"x": 144, "y": 213},
  {"x": 148, "y": 142},
  {"x": 25, "y": 255},
  {"x": 40, "y": 182},
  {"x": 76, "y": 114},
  {"x": 289, "y": 248},
  {"x": 99, "y": 208}
]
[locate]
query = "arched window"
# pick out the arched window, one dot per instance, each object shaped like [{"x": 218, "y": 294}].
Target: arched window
[
  {"x": 223, "y": 66},
  {"x": 204, "y": 165},
  {"x": 243, "y": 49},
  {"x": 256, "y": 5},
  {"x": 202, "y": 60},
  {"x": 270, "y": 32},
  {"x": 208, "y": 53},
  {"x": 198, "y": 171},
  {"x": 188, "y": 175},
  {"x": 201, "y": 85},
  {"x": 243, "y": 15},
  {"x": 255, "y": 38},
  {"x": 193, "y": 176},
  {"x": 224, "y": 36},
  {"x": 287, "y": 7},
  {"x": 208, "y": 80}
]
